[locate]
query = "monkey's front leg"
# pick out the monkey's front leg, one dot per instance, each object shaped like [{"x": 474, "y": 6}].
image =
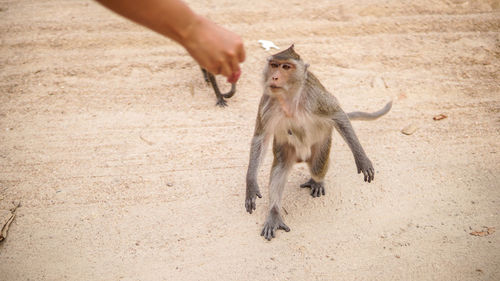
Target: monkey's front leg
[
  {"x": 344, "y": 127},
  {"x": 282, "y": 165},
  {"x": 257, "y": 149}
]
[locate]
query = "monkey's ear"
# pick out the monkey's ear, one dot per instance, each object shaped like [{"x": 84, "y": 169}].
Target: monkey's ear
[{"x": 306, "y": 66}]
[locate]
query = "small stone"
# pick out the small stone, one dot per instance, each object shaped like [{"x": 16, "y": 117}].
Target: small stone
[{"x": 410, "y": 129}]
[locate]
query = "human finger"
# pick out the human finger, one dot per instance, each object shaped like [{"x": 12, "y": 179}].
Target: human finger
[
  {"x": 226, "y": 69},
  {"x": 234, "y": 77},
  {"x": 241, "y": 53}
]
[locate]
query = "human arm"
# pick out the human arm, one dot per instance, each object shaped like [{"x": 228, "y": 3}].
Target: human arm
[{"x": 213, "y": 47}]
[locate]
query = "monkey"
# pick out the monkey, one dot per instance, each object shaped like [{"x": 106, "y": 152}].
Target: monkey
[
  {"x": 299, "y": 114},
  {"x": 210, "y": 79}
]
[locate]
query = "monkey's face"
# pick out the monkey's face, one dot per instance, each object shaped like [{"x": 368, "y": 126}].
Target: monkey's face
[{"x": 280, "y": 75}]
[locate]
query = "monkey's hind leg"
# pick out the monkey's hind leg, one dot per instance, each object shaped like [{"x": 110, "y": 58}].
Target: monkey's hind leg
[
  {"x": 282, "y": 165},
  {"x": 317, "y": 188},
  {"x": 205, "y": 75},
  {"x": 318, "y": 166},
  {"x": 210, "y": 79}
]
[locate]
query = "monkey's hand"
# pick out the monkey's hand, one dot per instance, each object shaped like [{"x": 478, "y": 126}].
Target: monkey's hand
[
  {"x": 252, "y": 193},
  {"x": 365, "y": 165}
]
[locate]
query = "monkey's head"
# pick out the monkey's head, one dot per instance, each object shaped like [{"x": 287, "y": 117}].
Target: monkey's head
[{"x": 284, "y": 72}]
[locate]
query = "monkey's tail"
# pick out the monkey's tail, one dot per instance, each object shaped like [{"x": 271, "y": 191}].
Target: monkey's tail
[
  {"x": 210, "y": 78},
  {"x": 359, "y": 115},
  {"x": 231, "y": 92}
]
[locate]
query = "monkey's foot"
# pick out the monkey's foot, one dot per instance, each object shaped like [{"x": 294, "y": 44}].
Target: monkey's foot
[
  {"x": 221, "y": 103},
  {"x": 273, "y": 223},
  {"x": 317, "y": 188}
]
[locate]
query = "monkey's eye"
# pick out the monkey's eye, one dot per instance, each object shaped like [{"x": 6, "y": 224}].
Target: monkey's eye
[
  {"x": 274, "y": 65},
  {"x": 287, "y": 66}
]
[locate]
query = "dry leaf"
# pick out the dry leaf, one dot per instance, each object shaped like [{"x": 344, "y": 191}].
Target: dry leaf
[
  {"x": 6, "y": 220},
  {"x": 439, "y": 117},
  {"x": 485, "y": 232},
  {"x": 146, "y": 141},
  {"x": 378, "y": 82}
]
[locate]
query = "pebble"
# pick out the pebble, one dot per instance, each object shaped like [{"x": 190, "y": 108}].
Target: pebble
[{"x": 410, "y": 129}]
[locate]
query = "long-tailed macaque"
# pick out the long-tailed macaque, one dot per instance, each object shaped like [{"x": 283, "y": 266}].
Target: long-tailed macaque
[
  {"x": 300, "y": 114},
  {"x": 210, "y": 78}
]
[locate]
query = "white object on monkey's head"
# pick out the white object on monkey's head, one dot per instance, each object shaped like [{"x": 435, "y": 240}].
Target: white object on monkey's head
[{"x": 267, "y": 45}]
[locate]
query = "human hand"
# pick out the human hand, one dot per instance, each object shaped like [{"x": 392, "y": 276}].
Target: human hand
[{"x": 216, "y": 49}]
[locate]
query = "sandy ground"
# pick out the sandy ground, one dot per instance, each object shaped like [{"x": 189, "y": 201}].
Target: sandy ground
[{"x": 126, "y": 170}]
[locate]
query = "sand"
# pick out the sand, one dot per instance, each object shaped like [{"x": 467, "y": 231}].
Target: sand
[{"x": 126, "y": 169}]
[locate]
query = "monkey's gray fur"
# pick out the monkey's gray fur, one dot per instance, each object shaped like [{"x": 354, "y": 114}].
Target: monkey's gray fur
[
  {"x": 299, "y": 114},
  {"x": 210, "y": 79}
]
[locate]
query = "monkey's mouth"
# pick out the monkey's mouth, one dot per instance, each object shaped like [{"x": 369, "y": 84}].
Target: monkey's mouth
[{"x": 274, "y": 87}]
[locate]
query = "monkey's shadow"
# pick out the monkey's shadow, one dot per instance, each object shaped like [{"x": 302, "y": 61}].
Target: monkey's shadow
[{"x": 298, "y": 202}]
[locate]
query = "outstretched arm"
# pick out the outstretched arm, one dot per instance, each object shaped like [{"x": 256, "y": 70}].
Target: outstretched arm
[
  {"x": 344, "y": 127},
  {"x": 213, "y": 47}
]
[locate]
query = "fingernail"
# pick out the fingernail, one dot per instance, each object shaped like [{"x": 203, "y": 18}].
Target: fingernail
[{"x": 234, "y": 77}]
